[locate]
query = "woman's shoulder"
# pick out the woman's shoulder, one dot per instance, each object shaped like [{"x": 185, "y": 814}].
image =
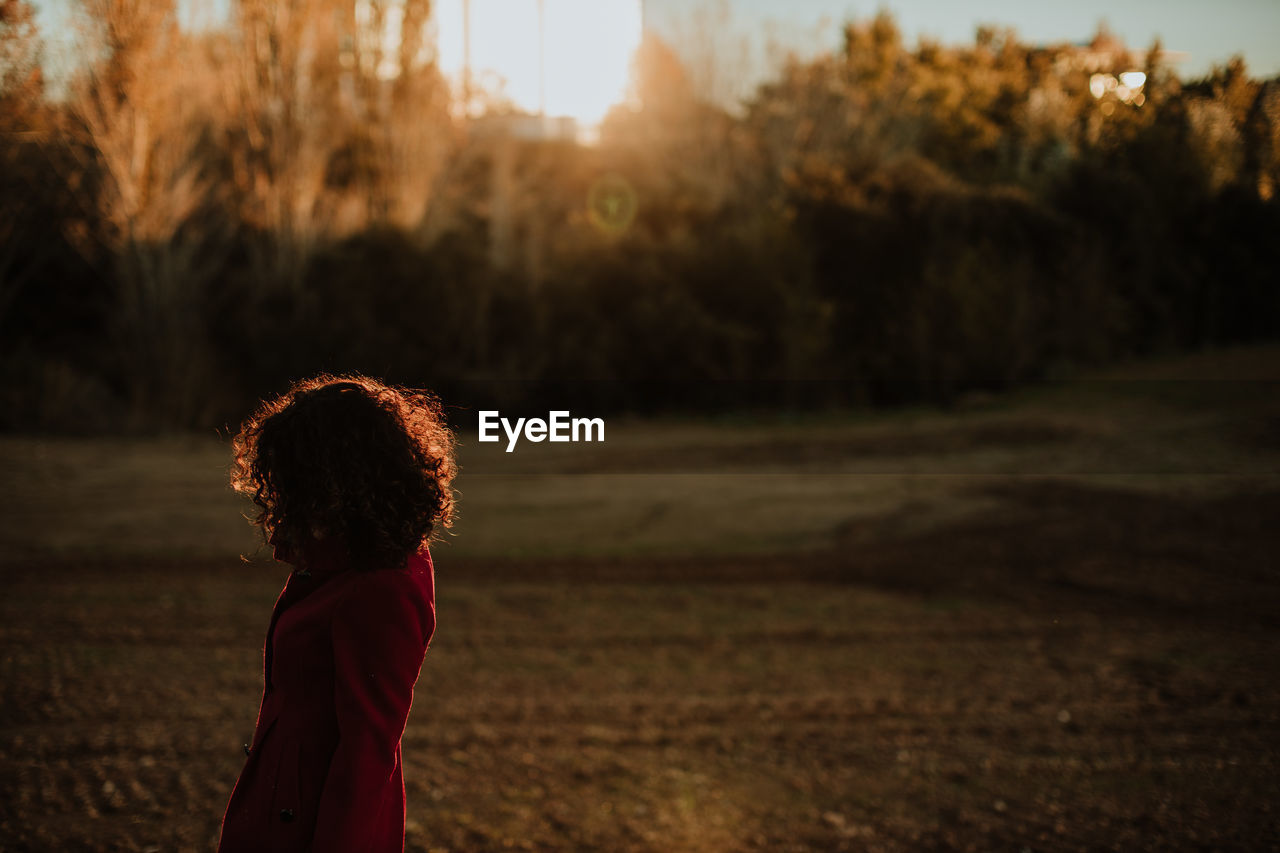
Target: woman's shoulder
[
  {"x": 387, "y": 614},
  {"x": 407, "y": 585}
]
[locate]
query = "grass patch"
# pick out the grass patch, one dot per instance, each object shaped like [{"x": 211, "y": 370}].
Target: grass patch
[{"x": 748, "y": 485}]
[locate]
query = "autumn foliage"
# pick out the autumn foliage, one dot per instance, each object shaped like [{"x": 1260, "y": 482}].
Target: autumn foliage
[{"x": 202, "y": 217}]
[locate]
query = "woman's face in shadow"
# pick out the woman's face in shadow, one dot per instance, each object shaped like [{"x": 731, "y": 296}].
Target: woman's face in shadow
[
  {"x": 287, "y": 549},
  {"x": 282, "y": 551}
]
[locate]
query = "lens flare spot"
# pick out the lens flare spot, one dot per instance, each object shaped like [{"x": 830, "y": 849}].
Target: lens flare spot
[{"x": 611, "y": 204}]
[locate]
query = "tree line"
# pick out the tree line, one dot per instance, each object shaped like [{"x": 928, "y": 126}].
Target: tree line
[{"x": 202, "y": 217}]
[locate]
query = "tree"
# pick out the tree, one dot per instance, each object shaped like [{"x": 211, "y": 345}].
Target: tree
[
  {"x": 137, "y": 118},
  {"x": 284, "y": 127},
  {"x": 21, "y": 91},
  {"x": 21, "y": 81}
]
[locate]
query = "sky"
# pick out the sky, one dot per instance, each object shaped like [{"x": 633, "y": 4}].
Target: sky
[
  {"x": 750, "y": 34},
  {"x": 1207, "y": 32},
  {"x": 500, "y": 39}
]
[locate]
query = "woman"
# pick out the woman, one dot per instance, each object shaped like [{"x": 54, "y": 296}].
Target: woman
[{"x": 351, "y": 477}]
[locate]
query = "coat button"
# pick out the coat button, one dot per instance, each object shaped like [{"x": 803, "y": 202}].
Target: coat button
[
  {"x": 246, "y": 749},
  {"x": 286, "y": 815}
]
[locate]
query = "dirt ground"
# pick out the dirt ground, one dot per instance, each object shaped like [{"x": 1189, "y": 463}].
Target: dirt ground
[
  {"x": 1098, "y": 672},
  {"x": 1047, "y": 625}
]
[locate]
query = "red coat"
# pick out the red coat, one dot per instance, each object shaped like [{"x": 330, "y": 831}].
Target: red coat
[{"x": 343, "y": 652}]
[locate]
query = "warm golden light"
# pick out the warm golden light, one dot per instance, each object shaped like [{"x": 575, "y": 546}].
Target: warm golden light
[
  {"x": 556, "y": 57},
  {"x": 1133, "y": 79},
  {"x": 1127, "y": 88}
]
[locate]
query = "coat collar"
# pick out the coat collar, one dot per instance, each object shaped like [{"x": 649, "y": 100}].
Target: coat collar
[{"x": 320, "y": 562}]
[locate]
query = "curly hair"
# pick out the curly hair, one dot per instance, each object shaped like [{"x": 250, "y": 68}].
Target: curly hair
[{"x": 349, "y": 458}]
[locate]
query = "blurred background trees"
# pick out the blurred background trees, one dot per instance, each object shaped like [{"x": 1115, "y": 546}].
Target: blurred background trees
[
  {"x": 202, "y": 216},
  {"x": 21, "y": 92}
]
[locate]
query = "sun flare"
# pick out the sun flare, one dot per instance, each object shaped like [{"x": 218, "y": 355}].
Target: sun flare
[{"x": 559, "y": 57}]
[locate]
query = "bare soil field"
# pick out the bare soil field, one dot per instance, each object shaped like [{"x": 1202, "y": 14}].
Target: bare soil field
[
  {"x": 1112, "y": 696},
  {"x": 996, "y": 638}
]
